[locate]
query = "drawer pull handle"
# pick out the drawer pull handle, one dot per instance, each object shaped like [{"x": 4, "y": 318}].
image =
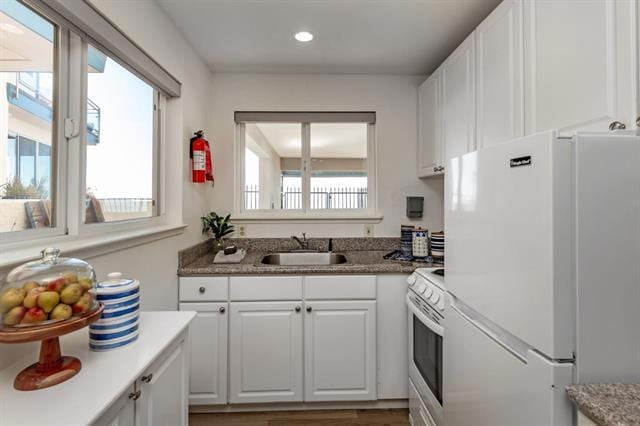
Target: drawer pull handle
[
  {"x": 135, "y": 395},
  {"x": 222, "y": 309},
  {"x": 202, "y": 290},
  {"x": 147, "y": 379}
]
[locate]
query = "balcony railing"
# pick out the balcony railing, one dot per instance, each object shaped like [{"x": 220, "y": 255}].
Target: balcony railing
[{"x": 320, "y": 198}]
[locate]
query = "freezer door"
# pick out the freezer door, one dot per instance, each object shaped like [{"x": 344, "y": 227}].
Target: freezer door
[
  {"x": 508, "y": 227},
  {"x": 487, "y": 384}
]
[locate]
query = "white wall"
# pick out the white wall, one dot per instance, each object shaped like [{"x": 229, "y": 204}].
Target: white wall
[
  {"x": 155, "y": 264},
  {"x": 394, "y": 98}
]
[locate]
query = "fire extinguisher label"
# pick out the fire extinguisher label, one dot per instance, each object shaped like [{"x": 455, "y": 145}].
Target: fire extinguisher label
[{"x": 198, "y": 160}]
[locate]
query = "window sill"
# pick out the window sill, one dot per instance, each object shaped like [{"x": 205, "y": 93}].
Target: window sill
[
  {"x": 301, "y": 218},
  {"x": 87, "y": 247}
]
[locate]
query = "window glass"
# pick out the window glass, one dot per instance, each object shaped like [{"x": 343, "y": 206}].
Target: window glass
[
  {"x": 338, "y": 166},
  {"x": 27, "y": 104},
  {"x": 273, "y": 158},
  {"x": 120, "y": 142}
]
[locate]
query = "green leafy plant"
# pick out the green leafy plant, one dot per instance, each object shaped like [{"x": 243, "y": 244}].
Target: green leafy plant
[{"x": 219, "y": 226}]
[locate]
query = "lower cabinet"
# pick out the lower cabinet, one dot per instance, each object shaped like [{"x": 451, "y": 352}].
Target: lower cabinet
[
  {"x": 158, "y": 397},
  {"x": 265, "y": 348},
  {"x": 340, "y": 350},
  {"x": 208, "y": 352}
]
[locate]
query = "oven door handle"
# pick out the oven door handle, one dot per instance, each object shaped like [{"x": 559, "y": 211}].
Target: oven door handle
[{"x": 434, "y": 326}]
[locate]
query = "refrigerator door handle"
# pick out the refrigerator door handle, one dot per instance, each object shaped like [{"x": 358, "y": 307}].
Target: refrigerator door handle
[{"x": 491, "y": 335}]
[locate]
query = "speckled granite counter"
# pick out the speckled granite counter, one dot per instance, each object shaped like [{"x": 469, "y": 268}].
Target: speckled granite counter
[
  {"x": 364, "y": 256},
  {"x": 608, "y": 404}
]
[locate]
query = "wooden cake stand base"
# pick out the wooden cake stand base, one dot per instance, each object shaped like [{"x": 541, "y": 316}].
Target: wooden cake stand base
[{"x": 52, "y": 368}]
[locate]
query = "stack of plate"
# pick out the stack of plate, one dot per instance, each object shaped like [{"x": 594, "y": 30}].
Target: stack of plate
[
  {"x": 406, "y": 239},
  {"x": 437, "y": 245},
  {"x": 118, "y": 324}
]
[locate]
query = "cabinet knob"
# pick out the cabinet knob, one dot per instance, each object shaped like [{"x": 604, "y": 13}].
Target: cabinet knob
[
  {"x": 435, "y": 168},
  {"x": 617, "y": 125},
  {"x": 202, "y": 290},
  {"x": 135, "y": 395},
  {"x": 298, "y": 309},
  {"x": 638, "y": 121},
  {"x": 222, "y": 309},
  {"x": 309, "y": 309},
  {"x": 146, "y": 379}
]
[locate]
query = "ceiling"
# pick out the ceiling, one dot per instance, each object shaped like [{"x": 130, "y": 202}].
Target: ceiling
[
  {"x": 328, "y": 140},
  {"x": 351, "y": 36}
]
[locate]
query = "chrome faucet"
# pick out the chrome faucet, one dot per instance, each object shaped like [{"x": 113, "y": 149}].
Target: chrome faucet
[{"x": 303, "y": 243}]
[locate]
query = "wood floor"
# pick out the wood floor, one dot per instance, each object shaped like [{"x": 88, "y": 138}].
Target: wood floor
[{"x": 396, "y": 417}]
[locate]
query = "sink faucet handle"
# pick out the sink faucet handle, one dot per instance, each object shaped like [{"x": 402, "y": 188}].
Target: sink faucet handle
[{"x": 304, "y": 236}]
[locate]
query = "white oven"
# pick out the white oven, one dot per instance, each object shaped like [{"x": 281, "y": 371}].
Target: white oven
[{"x": 425, "y": 302}]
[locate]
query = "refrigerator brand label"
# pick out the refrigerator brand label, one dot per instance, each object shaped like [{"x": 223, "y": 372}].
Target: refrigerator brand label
[{"x": 520, "y": 161}]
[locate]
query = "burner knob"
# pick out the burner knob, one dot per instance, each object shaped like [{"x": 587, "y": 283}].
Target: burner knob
[
  {"x": 441, "y": 304},
  {"x": 428, "y": 292},
  {"x": 435, "y": 297},
  {"x": 411, "y": 280},
  {"x": 421, "y": 287}
]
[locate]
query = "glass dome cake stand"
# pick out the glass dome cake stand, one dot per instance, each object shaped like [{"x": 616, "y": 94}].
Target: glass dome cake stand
[{"x": 41, "y": 301}]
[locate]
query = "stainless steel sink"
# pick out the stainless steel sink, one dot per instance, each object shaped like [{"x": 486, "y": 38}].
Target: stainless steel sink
[{"x": 299, "y": 259}]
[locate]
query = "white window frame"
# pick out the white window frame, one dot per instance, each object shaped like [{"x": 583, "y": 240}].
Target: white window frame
[
  {"x": 306, "y": 214},
  {"x": 69, "y": 232}
]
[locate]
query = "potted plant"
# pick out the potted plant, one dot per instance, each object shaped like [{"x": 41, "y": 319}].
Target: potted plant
[{"x": 218, "y": 226}]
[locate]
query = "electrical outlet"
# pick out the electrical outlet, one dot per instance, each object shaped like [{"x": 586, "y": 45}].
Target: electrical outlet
[
  {"x": 242, "y": 231},
  {"x": 368, "y": 230}
]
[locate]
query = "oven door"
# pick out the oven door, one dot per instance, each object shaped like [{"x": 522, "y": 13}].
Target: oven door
[{"x": 425, "y": 359}]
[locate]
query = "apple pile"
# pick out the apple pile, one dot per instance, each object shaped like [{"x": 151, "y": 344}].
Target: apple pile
[{"x": 58, "y": 299}]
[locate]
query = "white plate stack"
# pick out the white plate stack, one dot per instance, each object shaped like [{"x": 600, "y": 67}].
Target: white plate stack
[
  {"x": 437, "y": 245},
  {"x": 118, "y": 324}
]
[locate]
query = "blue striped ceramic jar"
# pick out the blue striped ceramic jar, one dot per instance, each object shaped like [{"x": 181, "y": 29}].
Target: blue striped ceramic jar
[{"x": 119, "y": 323}]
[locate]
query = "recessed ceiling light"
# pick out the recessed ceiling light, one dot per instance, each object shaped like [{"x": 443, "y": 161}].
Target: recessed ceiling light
[
  {"x": 303, "y": 36},
  {"x": 10, "y": 28}
]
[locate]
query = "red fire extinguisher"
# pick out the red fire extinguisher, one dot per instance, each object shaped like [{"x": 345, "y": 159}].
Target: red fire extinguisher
[{"x": 200, "y": 154}]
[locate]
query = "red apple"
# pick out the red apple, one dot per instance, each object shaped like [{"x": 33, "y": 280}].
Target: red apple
[
  {"x": 14, "y": 316},
  {"x": 56, "y": 285},
  {"x": 34, "y": 315},
  {"x": 83, "y": 304}
]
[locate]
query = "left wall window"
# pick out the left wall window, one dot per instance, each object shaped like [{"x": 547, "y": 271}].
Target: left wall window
[{"x": 27, "y": 116}]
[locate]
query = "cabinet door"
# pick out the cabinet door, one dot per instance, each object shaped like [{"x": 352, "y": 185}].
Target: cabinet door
[
  {"x": 208, "y": 352},
  {"x": 265, "y": 351},
  {"x": 499, "y": 75},
  {"x": 458, "y": 100},
  {"x": 164, "y": 388},
  {"x": 121, "y": 412},
  {"x": 579, "y": 62},
  {"x": 340, "y": 351},
  {"x": 429, "y": 143}
]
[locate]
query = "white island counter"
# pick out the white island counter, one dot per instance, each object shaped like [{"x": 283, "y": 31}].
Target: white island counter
[{"x": 104, "y": 391}]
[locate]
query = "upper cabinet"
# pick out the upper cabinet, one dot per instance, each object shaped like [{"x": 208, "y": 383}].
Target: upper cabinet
[
  {"x": 579, "y": 62},
  {"x": 458, "y": 100},
  {"x": 499, "y": 75},
  {"x": 531, "y": 66},
  {"x": 430, "y": 148}
]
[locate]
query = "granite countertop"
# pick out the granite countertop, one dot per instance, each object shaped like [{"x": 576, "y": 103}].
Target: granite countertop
[
  {"x": 364, "y": 256},
  {"x": 608, "y": 404}
]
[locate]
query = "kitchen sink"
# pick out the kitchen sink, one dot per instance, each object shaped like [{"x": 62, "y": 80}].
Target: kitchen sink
[{"x": 306, "y": 258}]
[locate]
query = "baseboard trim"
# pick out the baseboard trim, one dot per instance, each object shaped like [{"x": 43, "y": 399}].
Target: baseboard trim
[{"x": 347, "y": 405}]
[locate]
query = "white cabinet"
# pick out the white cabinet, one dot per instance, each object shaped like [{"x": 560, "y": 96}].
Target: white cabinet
[
  {"x": 121, "y": 412},
  {"x": 265, "y": 352},
  {"x": 340, "y": 350},
  {"x": 208, "y": 352},
  {"x": 499, "y": 75},
  {"x": 164, "y": 388},
  {"x": 458, "y": 100},
  {"x": 430, "y": 148},
  {"x": 579, "y": 62}
]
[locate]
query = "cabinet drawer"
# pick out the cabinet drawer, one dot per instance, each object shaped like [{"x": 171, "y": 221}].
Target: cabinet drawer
[
  {"x": 340, "y": 287},
  {"x": 204, "y": 289},
  {"x": 265, "y": 288}
]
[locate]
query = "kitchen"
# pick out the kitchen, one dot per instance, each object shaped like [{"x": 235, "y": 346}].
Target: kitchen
[{"x": 346, "y": 137}]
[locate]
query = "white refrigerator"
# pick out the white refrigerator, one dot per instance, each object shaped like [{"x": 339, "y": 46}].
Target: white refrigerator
[{"x": 543, "y": 269}]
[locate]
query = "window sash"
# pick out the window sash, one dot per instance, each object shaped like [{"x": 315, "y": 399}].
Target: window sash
[{"x": 305, "y": 173}]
